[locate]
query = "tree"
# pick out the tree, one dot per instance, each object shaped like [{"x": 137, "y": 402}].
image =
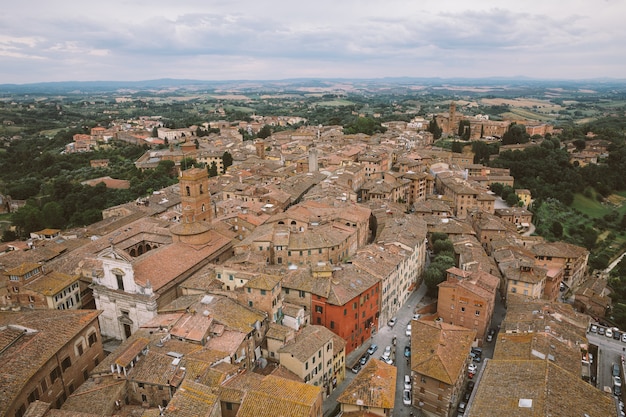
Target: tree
[
  {"x": 52, "y": 215},
  {"x": 457, "y": 147},
  {"x": 464, "y": 129},
  {"x": 482, "y": 131},
  {"x": 556, "y": 229},
  {"x": 227, "y": 160},
  {"x": 515, "y": 134},
  {"x": 9, "y": 235},
  {"x": 213, "y": 169},
  {"x": 265, "y": 132},
  {"x": 155, "y": 132},
  {"x": 434, "y": 128},
  {"x": 27, "y": 219}
]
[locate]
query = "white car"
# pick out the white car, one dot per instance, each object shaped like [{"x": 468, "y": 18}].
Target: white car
[
  {"x": 407, "y": 382},
  {"x": 406, "y": 397},
  {"x": 416, "y": 316},
  {"x": 472, "y": 368},
  {"x": 392, "y": 322},
  {"x": 608, "y": 333},
  {"x": 624, "y": 337},
  {"x": 408, "y": 329},
  {"x": 387, "y": 352}
]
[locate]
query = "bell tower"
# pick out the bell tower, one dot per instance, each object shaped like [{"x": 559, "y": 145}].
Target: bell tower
[
  {"x": 452, "y": 118},
  {"x": 195, "y": 196}
]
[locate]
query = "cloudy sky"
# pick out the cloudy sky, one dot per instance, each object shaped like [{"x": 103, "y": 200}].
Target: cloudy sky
[{"x": 86, "y": 40}]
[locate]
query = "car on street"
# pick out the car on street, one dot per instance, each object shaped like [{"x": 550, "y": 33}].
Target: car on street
[
  {"x": 615, "y": 370},
  {"x": 467, "y": 395},
  {"x": 356, "y": 368},
  {"x": 601, "y": 331},
  {"x": 388, "y": 360},
  {"x": 408, "y": 329},
  {"x": 406, "y": 397},
  {"x": 472, "y": 368},
  {"x": 477, "y": 354},
  {"x": 461, "y": 408},
  {"x": 407, "y": 382},
  {"x": 364, "y": 359},
  {"x": 608, "y": 333},
  {"x": 416, "y": 316},
  {"x": 407, "y": 351},
  {"x": 624, "y": 337},
  {"x": 387, "y": 352},
  {"x": 491, "y": 334},
  {"x": 593, "y": 328},
  {"x": 617, "y": 335},
  {"x": 373, "y": 348},
  {"x": 392, "y": 322}
]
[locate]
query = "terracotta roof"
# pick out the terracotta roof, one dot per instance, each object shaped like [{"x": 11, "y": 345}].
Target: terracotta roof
[
  {"x": 310, "y": 340},
  {"x": 374, "y": 386},
  {"x": 192, "y": 400},
  {"x": 51, "y": 283},
  {"x": 536, "y": 389},
  {"x": 24, "y": 355},
  {"x": 440, "y": 350}
]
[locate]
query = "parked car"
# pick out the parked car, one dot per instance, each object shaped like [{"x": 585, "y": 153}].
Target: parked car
[
  {"x": 470, "y": 386},
  {"x": 407, "y": 351},
  {"x": 364, "y": 359},
  {"x": 406, "y": 397},
  {"x": 373, "y": 348},
  {"x": 615, "y": 370},
  {"x": 408, "y": 329},
  {"x": 416, "y": 316},
  {"x": 356, "y": 368},
  {"x": 601, "y": 330},
  {"x": 467, "y": 395},
  {"x": 608, "y": 333},
  {"x": 461, "y": 408},
  {"x": 392, "y": 322},
  {"x": 491, "y": 334},
  {"x": 472, "y": 368},
  {"x": 617, "y": 335},
  {"x": 387, "y": 352},
  {"x": 624, "y": 337},
  {"x": 593, "y": 328},
  {"x": 407, "y": 382},
  {"x": 387, "y": 360}
]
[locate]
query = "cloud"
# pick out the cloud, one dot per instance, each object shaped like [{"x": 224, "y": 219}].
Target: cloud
[{"x": 263, "y": 40}]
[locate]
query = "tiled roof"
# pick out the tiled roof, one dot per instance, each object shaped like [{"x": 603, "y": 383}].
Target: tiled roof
[
  {"x": 51, "y": 283},
  {"x": 192, "y": 400},
  {"x": 374, "y": 386},
  {"x": 97, "y": 396},
  {"x": 547, "y": 390},
  {"x": 22, "y": 269},
  {"x": 559, "y": 250},
  {"x": 440, "y": 350},
  {"x": 25, "y": 355},
  {"x": 310, "y": 340}
]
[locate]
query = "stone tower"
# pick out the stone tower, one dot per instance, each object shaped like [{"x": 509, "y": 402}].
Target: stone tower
[
  {"x": 451, "y": 121},
  {"x": 260, "y": 148},
  {"x": 195, "y": 195}
]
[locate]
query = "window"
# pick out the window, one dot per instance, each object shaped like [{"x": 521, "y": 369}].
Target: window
[
  {"x": 260, "y": 248},
  {"x": 286, "y": 290},
  {"x": 319, "y": 320},
  {"x": 79, "y": 348},
  {"x": 71, "y": 388},
  {"x": 250, "y": 303},
  {"x": 332, "y": 324},
  {"x": 477, "y": 313},
  {"x": 423, "y": 379},
  {"x": 318, "y": 309},
  {"x": 230, "y": 277},
  {"x": 120, "y": 281},
  {"x": 263, "y": 292},
  {"x": 33, "y": 396},
  {"x": 229, "y": 406},
  {"x": 67, "y": 362},
  {"x": 85, "y": 375},
  {"x": 56, "y": 372},
  {"x": 301, "y": 293},
  {"x": 345, "y": 311},
  {"x": 44, "y": 385},
  {"x": 462, "y": 308}
]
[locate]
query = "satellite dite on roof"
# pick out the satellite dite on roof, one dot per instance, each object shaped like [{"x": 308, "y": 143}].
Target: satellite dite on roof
[{"x": 525, "y": 403}]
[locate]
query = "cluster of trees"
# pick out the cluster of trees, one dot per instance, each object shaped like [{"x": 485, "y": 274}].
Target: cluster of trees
[
  {"x": 433, "y": 127},
  {"x": 443, "y": 258},
  {"x": 507, "y": 193}
]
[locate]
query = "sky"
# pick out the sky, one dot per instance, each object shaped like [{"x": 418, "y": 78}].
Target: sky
[{"x": 132, "y": 40}]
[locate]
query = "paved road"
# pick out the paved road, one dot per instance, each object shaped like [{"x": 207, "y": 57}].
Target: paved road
[{"x": 384, "y": 338}]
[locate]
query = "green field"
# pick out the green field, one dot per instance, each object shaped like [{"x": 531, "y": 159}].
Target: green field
[
  {"x": 335, "y": 103},
  {"x": 527, "y": 114},
  {"x": 596, "y": 209}
]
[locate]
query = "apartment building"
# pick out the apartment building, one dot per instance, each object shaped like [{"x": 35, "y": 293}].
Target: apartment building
[
  {"x": 440, "y": 354},
  {"x": 32, "y": 285},
  {"x": 46, "y": 355},
  {"x": 571, "y": 258},
  {"x": 468, "y": 299},
  {"x": 316, "y": 355},
  {"x": 372, "y": 390}
]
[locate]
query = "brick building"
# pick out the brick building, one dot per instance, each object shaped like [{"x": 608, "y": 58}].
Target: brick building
[{"x": 46, "y": 355}]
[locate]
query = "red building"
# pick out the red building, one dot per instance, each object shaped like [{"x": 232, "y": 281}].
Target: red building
[{"x": 351, "y": 306}]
